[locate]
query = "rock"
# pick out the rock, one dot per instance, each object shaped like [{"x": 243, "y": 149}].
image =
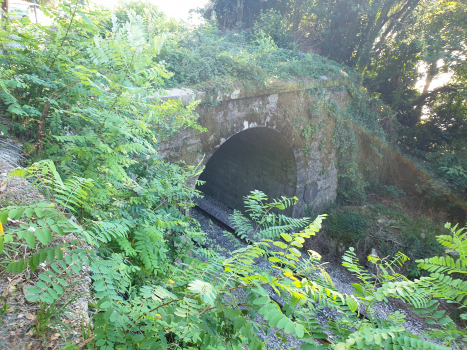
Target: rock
[
  {"x": 386, "y": 221},
  {"x": 30, "y": 317}
]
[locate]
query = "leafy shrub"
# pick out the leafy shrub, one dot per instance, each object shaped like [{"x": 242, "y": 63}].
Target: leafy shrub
[
  {"x": 346, "y": 228},
  {"x": 392, "y": 191},
  {"x": 88, "y": 103},
  {"x": 385, "y": 229},
  {"x": 449, "y": 272},
  {"x": 414, "y": 237},
  {"x": 273, "y": 24}
]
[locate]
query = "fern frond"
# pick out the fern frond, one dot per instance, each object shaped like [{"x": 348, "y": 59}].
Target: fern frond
[
  {"x": 456, "y": 242},
  {"x": 242, "y": 259},
  {"x": 391, "y": 338},
  {"x": 415, "y": 292},
  {"x": 241, "y": 224},
  {"x": 454, "y": 289},
  {"x": 441, "y": 264},
  {"x": 351, "y": 263},
  {"x": 105, "y": 231},
  {"x": 151, "y": 254}
]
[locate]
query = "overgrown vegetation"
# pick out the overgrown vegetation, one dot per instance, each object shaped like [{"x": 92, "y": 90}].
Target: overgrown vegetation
[
  {"x": 384, "y": 229},
  {"x": 83, "y": 95},
  {"x": 401, "y": 49}
]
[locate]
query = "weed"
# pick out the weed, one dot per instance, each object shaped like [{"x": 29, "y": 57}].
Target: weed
[
  {"x": 4, "y": 309},
  {"x": 49, "y": 316}
]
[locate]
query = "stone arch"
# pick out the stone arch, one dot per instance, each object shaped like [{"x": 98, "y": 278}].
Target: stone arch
[
  {"x": 295, "y": 109},
  {"x": 258, "y": 158}
]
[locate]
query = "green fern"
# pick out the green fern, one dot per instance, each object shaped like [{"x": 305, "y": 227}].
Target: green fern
[
  {"x": 386, "y": 338},
  {"x": 262, "y": 221},
  {"x": 441, "y": 267}
]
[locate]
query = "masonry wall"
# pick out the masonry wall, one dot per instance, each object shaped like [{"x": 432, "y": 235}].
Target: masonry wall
[{"x": 297, "y": 113}]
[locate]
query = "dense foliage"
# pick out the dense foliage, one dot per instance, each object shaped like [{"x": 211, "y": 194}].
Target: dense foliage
[
  {"x": 386, "y": 229},
  {"x": 84, "y": 95},
  {"x": 400, "y": 48}
]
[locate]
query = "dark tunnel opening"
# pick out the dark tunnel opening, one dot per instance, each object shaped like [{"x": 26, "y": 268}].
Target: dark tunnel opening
[{"x": 254, "y": 159}]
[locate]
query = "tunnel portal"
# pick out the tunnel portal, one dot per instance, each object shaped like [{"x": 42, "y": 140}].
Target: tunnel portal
[{"x": 254, "y": 159}]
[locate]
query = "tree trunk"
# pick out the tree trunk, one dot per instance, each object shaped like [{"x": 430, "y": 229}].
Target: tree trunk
[
  {"x": 430, "y": 75},
  {"x": 296, "y": 16},
  {"x": 239, "y": 11},
  {"x": 5, "y": 6},
  {"x": 373, "y": 29}
]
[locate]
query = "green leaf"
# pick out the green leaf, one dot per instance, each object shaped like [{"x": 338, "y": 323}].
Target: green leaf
[
  {"x": 299, "y": 331},
  {"x": 52, "y": 293},
  {"x": 58, "y": 288},
  {"x": 439, "y": 313},
  {"x": 51, "y": 255},
  {"x": 1, "y": 244},
  {"x": 239, "y": 323},
  {"x": 39, "y": 212},
  {"x": 286, "y": 237},
  {"x": 290, "y": 327},
  {"x": 444, "y": 320},
  {"x": 4, "y": 217},
  {"x": 295, "y": 252},
  {"x": 31, "y": 297},
  {"x": 291, "y": 257},
  {"x": 351, "y": 303},
  {"x": 280, "y": 245},
  {"x": 45, "y": 205},
  {"x": 275, "y": 319},
  {"x": 282, "y": 322},
  {"x": 207, "y": 290},
  {"x": 62, "y": 282},
  {"x": 47, "y": 298},
  {"x": 274, "y": 259},
  {"x": 45, "y": 278},
  {"x": 41, "y": 285},
  {"x": 262, "y": 300},
  {"x": 28, "y": 237},
  {"x": 43, "y": 235},
  {"x": 12, "y": 213},
  {"x": 308, "y": 347},
  {"x": 57, "y": 229},
  {"x": 85, "y": 18},
  {"x": 105, "y": 304}
]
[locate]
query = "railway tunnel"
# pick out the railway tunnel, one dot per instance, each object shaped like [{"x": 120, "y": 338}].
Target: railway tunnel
[
  {"x": 254, "y": 159},
  {"x": 275, "y": 138}
]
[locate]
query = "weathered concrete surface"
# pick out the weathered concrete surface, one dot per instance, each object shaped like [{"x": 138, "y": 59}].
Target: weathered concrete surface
[{"x": 276, "y": 139}]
